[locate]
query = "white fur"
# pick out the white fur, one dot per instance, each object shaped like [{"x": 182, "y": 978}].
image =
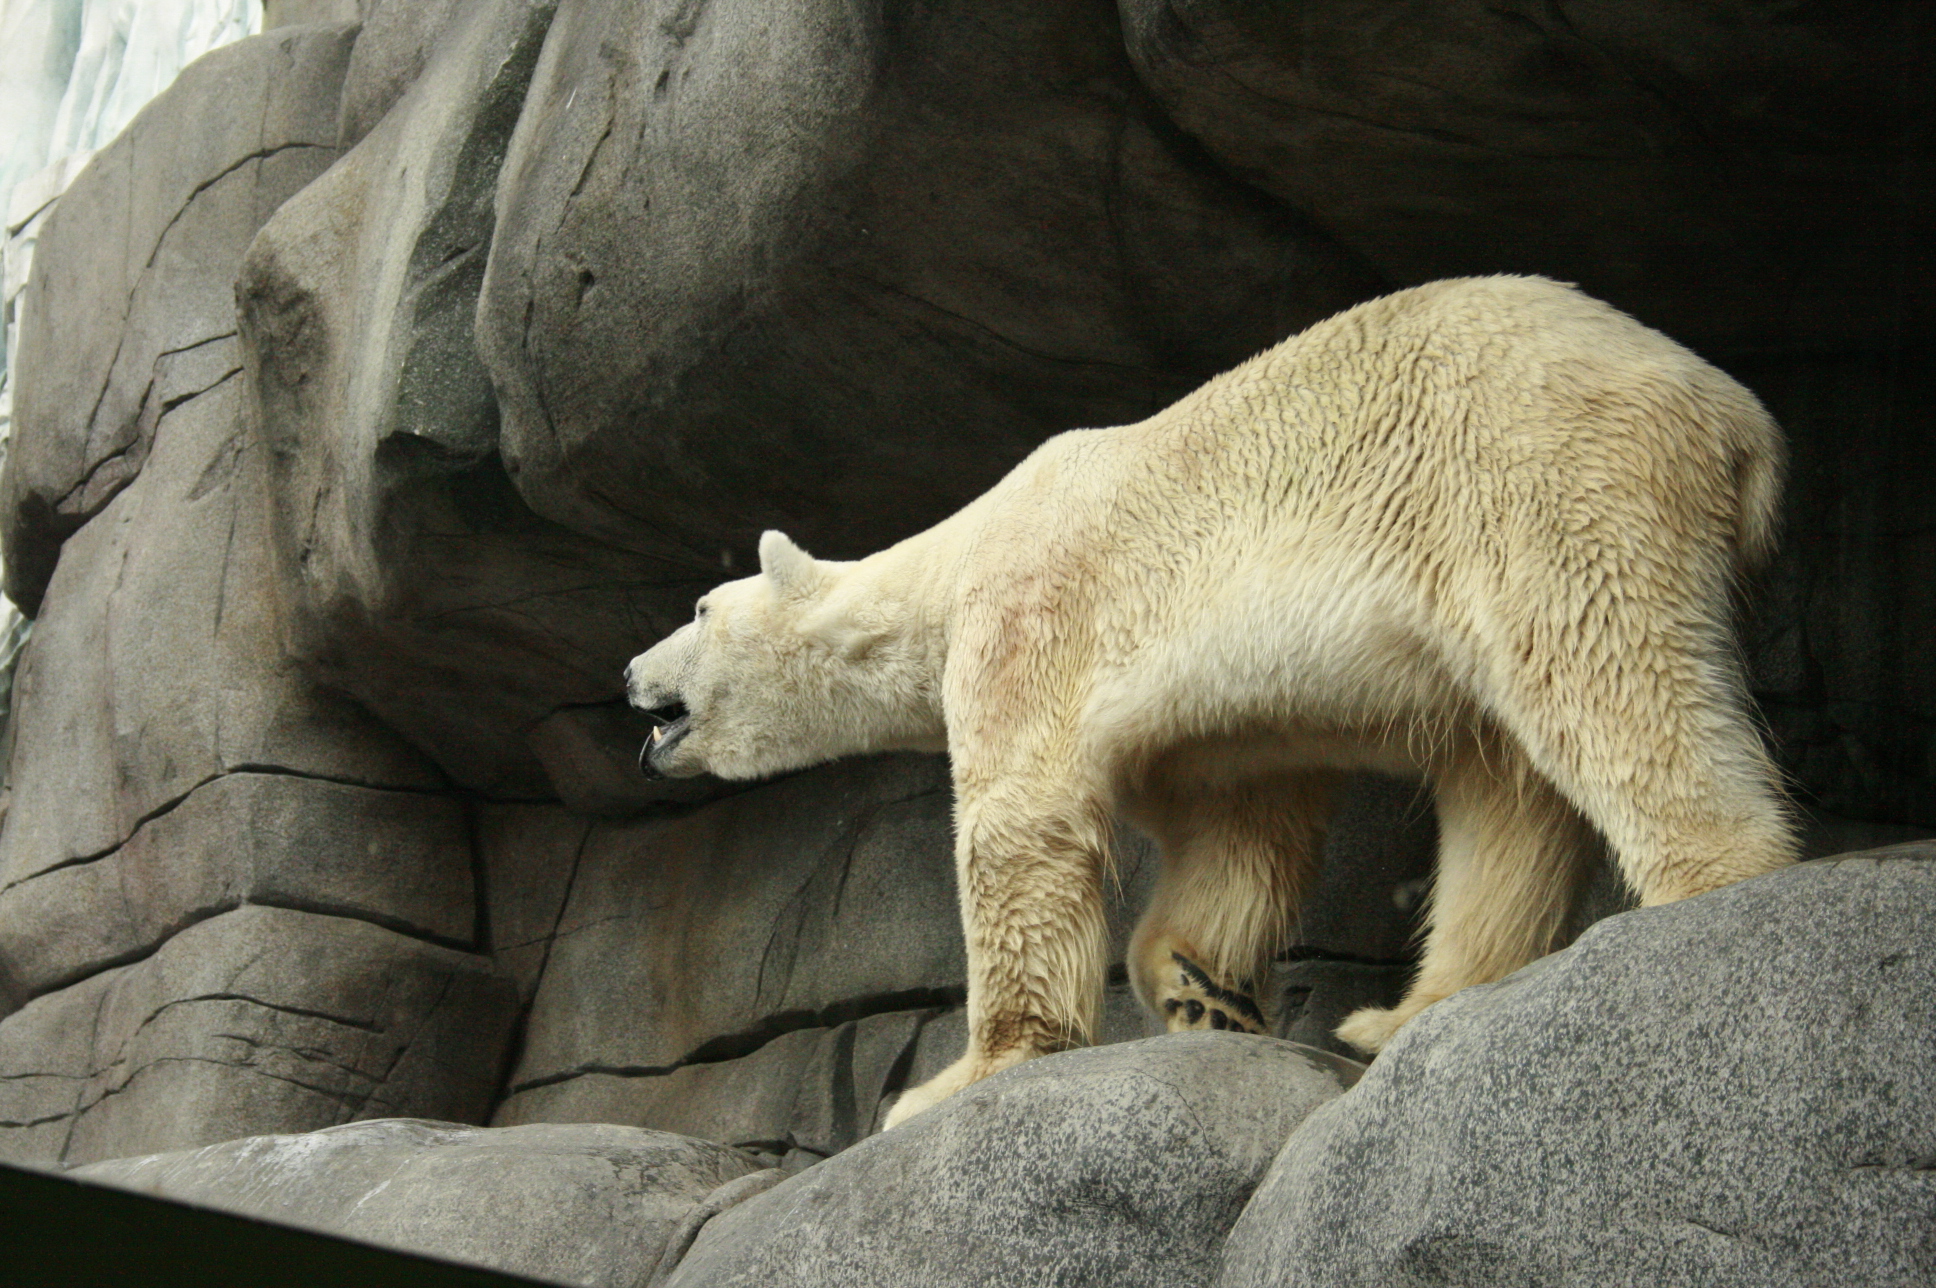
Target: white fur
[{"x": 1483, "y": 530}]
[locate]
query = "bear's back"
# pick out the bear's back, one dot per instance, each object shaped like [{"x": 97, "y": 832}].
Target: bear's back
[{"x": 1445, "y": 405}]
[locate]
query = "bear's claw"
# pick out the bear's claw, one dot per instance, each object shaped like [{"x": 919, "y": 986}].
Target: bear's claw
[{"x": 1195, "y": 1001}]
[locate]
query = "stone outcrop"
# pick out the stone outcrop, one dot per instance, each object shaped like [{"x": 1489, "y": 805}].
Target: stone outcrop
[
  {"x": 132, "y": 300},
  {"x": 1120, "y": 1165},
  {"x": 1732, "y": 1090},
  {"x": 171, "y": 764},
  {"x": 419, "y": 583},
  {"x": 879, "y": 254},
  {"x": 568, "y": 1205}
]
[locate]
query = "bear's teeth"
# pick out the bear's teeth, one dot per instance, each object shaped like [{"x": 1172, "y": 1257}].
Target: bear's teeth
[{"x": 658, "y": 733}]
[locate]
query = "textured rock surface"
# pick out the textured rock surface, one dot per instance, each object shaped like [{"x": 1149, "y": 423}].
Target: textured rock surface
[
  {"x": 799, "y": 904},
  {"x": 877, "y": 253},
  {"x": 1735, "y": 1089},
  {"x": 132, "y": 301},
  {"x": 420, "y": 583},
  {"x": 259, "y": 1015},
  {"x": 816, "y": 1090},
  {"x": 805, "y": 1094},
  {"x": 397, "y": 858},
  {"x": 830, "y": 270},
  {"x": 153, "y": 673},
  {"x": 1121, "y": 1165},
  {"x": 391, "y": 51},
  {"x": 590, "y": 1205}
]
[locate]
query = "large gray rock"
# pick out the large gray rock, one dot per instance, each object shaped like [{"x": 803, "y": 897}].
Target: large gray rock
[
  {"x": 803, "y": 903},
  {"x": 1739, "y": 1089},
  {"x": 835, "y": 270},
  {"x": 583, "y": 1205},
  {"x": 418, "y": 581},
  {"x": 131, "y": 301},
  {"x": 155, "y": 670},
  {"x": 1119, "y": 1165},
  {"x": 260, "y": 1019},
  {"x": 1672, "y": 158},
  {"x": 401, "y": 859}
]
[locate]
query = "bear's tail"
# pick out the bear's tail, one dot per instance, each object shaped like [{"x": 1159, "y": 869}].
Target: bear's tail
[{"x": 1760, "y": 471}]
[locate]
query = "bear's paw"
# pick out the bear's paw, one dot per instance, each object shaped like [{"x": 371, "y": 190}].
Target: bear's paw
[{"x": 1191, "y": 999}]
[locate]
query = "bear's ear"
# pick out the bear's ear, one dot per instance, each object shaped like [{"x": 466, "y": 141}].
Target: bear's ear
[{"x": 786, "y": 565}]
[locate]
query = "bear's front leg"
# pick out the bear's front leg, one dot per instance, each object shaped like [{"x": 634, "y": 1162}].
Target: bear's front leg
[{"x": 1029, "y": 865}]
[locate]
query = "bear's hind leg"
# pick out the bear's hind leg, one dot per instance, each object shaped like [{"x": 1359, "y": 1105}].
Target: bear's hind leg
[
  {"x": 1631, "y": 701},
  {"x": 1236, "y": 861},
  {"x": 1512, "y": 851},
  {"x": 1690, "y": 805}
]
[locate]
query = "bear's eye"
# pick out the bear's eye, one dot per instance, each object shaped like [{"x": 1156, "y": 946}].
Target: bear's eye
[{"x": 700, "y": 612}]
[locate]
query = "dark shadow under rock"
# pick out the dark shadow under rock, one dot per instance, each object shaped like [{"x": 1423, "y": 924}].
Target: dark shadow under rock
[{"x": 1741, "y": 176}]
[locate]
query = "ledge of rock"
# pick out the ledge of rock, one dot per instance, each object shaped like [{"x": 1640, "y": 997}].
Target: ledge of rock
[
  {"x": 257, "y": 1015},
  {"x": 580, "y": 1205}
]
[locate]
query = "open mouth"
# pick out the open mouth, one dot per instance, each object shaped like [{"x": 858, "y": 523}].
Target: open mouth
[{"x": 670, "y": 723}]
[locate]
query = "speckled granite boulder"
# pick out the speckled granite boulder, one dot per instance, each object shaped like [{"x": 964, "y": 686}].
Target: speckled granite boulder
[
  {"x": 1739, "y": 1089},
  {"x": 587, "y": 1205},
  {"x": 1121, "y": 1165}
]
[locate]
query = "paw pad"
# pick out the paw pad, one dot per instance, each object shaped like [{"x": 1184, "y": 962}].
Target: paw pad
[{"x": 1195, "y": 1001}]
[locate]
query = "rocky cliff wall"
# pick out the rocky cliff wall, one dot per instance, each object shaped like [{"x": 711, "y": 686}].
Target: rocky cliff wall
[{"x": 389, "y": 382}]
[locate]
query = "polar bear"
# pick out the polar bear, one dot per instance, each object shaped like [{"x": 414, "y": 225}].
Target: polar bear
[{"x": 1485, "y": 531}]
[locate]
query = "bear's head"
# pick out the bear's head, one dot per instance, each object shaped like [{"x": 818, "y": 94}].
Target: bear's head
[{"x": 806, "y": 662}]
